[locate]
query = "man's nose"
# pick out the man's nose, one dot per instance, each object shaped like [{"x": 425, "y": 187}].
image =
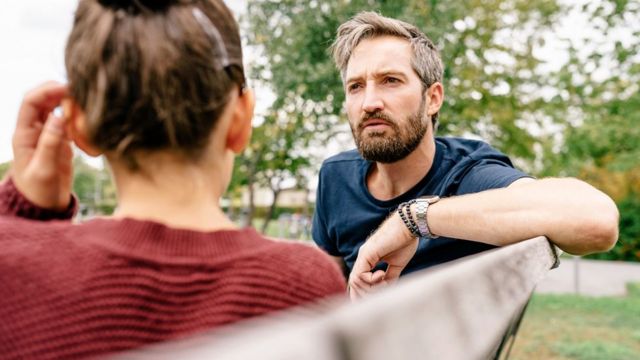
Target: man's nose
[{"x": 372, "y": 100}]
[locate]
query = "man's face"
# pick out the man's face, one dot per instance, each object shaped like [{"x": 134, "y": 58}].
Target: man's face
[{"x": 385, "y": 100}]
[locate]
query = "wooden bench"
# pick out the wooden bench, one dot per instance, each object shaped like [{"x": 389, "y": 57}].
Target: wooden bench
[{"x": 467, "y": 309}]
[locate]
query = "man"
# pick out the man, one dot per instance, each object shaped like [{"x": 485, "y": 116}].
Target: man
[{"x": 392, "y": 75}]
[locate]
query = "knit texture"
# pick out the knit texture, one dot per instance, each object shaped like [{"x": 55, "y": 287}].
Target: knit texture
[{"x": 72, "y": 291}]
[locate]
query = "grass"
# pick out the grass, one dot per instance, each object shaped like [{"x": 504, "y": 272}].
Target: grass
[{"x": 567, "y": 327}]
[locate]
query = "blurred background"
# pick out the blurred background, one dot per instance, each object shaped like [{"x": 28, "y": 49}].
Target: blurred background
[{"x": 552, "y": 83}]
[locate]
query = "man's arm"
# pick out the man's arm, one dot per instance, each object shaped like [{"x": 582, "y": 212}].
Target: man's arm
[{"x": 574, "y": 215}]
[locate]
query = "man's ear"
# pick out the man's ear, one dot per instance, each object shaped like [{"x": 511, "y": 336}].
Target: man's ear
[
  {"x": 76, "y": 123},
  {"x": 435, "y": 97},
  {"x": 239, "y": 132}
]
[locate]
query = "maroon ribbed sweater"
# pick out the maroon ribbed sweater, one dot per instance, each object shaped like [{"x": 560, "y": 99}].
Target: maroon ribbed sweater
[{"x": 71, "y": 291}]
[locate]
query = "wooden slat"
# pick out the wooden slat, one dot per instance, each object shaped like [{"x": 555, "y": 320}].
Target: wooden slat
[{"x": 459, "y": 310}]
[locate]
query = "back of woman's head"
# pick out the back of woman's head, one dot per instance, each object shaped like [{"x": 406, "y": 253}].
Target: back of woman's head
[{"x": 153, "y": 74}]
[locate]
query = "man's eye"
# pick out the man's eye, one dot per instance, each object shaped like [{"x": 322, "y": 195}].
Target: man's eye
[
  {"x": 391, "y": 80},
  {"x": 354, "y": 86}
]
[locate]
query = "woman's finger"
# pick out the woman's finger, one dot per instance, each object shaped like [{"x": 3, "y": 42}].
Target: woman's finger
[
  {"x": 49, "y": 149},
  {"x": 39, "y": 102}
]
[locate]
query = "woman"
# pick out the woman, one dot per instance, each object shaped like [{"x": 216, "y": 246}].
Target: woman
[{"x": 158, "y": 88}]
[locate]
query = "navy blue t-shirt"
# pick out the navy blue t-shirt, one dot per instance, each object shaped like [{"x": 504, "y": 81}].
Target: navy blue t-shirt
[{"x": 346, "y": 213}]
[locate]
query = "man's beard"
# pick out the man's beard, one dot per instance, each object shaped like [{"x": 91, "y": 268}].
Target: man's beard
[{"x": 390, "y": 146}]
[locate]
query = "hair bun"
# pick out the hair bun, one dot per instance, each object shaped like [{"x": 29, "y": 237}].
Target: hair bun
[{"x": 137, "y": 6}]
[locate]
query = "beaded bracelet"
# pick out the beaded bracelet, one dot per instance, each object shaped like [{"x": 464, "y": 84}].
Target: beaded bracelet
[{"x": 407, "y": 218}]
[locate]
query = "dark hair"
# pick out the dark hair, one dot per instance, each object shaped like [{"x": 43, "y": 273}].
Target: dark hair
[{"x": 153, "y": 74}]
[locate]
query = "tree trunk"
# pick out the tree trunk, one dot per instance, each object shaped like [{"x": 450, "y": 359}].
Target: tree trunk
[
  {"x": 248, "y": 220},
  {"x": 251, "y": 176},
  {"x": 272, "y": 209}
]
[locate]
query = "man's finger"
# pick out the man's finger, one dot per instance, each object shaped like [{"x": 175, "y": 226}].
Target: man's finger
[
  {"x": 377, "y": 277},
  {"x": 365, "y": 261},
  {"x": 39, "y": 102},
  {"x": 354, "y": 290},
  {"x": 393, "y": 272}
]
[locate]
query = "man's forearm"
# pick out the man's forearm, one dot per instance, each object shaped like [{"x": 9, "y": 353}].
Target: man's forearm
[{"x": 575, "y": 216}]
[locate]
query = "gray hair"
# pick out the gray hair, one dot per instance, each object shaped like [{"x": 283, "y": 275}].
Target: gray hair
[{"x": 425, "y": 59}]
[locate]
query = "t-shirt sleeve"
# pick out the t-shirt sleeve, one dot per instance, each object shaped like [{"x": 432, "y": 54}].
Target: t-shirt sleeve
[
  {"x": 319, "y": 230},
  {"x": 489, "y": 174}
]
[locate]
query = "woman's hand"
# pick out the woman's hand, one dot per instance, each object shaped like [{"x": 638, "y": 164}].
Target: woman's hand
[{"x": 42, "y": 166}]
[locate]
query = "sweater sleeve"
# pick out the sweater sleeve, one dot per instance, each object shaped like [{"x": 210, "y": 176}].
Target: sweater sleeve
[{"x": 13, "y": 203}]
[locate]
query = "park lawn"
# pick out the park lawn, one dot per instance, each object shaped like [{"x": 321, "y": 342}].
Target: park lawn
[{"x": 577, "y": 327}]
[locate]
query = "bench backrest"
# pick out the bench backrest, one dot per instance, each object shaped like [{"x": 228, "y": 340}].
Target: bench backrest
[{"x": 468, "y": 309}]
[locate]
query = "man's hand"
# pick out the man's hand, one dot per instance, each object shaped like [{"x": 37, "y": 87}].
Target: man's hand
[
  {"x": 42, "y": 168},
  {"x": 391, "y": 243}
]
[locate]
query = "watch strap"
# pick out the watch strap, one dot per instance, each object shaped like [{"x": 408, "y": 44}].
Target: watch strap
[{"x": 422, "y": 208}]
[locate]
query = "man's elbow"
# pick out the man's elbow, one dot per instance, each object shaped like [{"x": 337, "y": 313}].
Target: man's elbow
[{"x": 601, "y": 230}]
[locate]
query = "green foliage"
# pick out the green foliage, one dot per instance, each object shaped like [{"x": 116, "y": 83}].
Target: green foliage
[
  {"x": 603, "y": 140},
  {"x": 276, "y": 151},
  {"x": 600, "y": 94},
  {"x": 93, "y": 187},
  {"x": 4, "y": 167},
  {"x": 489, "y": 81}
]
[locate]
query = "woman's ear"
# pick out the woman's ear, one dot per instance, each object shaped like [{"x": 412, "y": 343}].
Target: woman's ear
[
  {"x": 239, "y": 132},
  {"x": 76, "y": 123}
]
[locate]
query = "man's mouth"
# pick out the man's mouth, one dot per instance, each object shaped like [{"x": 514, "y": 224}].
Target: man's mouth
[{"x": 374, "y": 124}]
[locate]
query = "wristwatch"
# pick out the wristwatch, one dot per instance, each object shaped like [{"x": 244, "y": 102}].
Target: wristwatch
[{"x": 422, "y": 206}]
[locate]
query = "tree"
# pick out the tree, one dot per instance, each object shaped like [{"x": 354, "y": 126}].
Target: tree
[
  {"x": 491, "y": 76},
  {"x": 597, "y": 92},
  {"x": 93, "y": 188},
  {"x": 275, "y": 156},
  {"x": 602, "y": 102}
]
